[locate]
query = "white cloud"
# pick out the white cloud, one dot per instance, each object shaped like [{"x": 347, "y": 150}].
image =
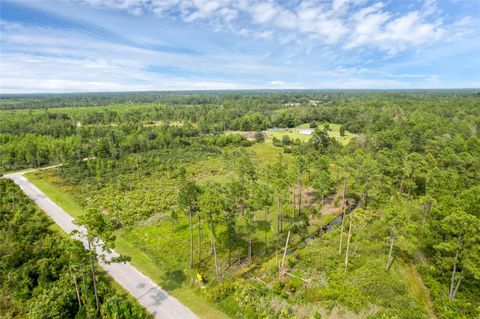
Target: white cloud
[
  {"x": 63, "y": 60},
  {"x": 373, "y": 27},
  {"x": 310, "y": 44},
  {"x": 287, "y": 20},
  {"x": 263, "y": 12},
  {"x": 355, "y": 23}
]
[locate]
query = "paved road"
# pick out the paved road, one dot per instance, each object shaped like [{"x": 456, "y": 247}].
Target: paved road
[{"x": 149, "y": 294}]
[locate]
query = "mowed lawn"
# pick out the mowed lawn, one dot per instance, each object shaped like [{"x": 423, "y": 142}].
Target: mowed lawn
[
  {"x": 150, "y": 248},
  {"x": 294, "y": 133}
]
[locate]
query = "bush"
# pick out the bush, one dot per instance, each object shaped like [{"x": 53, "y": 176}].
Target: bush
[
  {"x": 119, "y": 307},
  {"x": 220, "y": 291},
  {"x": 277, "y": 142},
  {"x": 259, "y": 137},
  {"x": 286, "y": 140}
]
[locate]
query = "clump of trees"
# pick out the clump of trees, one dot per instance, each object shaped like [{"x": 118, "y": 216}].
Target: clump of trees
[{"x": 46, "y": 275}]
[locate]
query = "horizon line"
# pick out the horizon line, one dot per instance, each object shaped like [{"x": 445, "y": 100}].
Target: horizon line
[{"x": 239, "y": 90}]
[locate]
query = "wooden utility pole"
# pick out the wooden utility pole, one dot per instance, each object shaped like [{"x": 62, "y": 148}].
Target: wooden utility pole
[{"x": 343, "y": 215}]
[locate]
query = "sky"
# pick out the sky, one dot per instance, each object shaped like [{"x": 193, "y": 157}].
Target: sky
[{"x": 139, "y": 45}]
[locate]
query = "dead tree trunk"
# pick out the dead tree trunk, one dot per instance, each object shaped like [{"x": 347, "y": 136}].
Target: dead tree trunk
[
  {"x": 389, "y": 260},
  {"x": 250, "y": 249},
  {"x": 281, "y": 269},
  {"x": 199, "y": 229},
  {"x": 276, "y": 247},
  {"x": 76, "y": 287},
  {"x": 294, "y": 203},
  {"x": 266, "y": 232},
  {"x": 457, "y": 286},
  {"x": 343, "y": 216},
  {"x": 300, "y": 194},
  {"x": 279, "y": 222},
  {"x": 341, "y": 234},
  {"x": 215, "y": 256},
  {"x": 452, "y": 290},
  {"x": 94, "y": 278},
  {"x": 426, "y": 210},
  {"x": 348, "y": 242},
  {"x": 85, "y": 302}
]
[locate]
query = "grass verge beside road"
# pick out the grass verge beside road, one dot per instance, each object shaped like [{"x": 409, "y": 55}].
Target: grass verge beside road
[{"x": 60, "y": 194}]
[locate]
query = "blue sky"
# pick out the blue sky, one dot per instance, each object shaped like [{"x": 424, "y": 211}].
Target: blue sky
[{"x": 134, "y": 45}]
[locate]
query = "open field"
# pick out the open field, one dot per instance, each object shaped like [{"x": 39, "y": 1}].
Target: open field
[{"x": 295, "y": 133}]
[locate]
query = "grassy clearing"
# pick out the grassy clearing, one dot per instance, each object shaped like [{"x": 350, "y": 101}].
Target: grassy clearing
[
  {"x": 294, "y": 134},
  {"x": 161, "y": 123},
  {"x": 57, "y": 190},
  {"x": 335, "y": 132},
  {"x": 133, "y": 243},
  {"x": 161, "y": 265},
  {"x": 214, "y": 168},
  {"x": 418, "y": 290},
  {"x": 266, "y": 153}
]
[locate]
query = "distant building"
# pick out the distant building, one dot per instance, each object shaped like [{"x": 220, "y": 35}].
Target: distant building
[{"x": 307, "y": 131}]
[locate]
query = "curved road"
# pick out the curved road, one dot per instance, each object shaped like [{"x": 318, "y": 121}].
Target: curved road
[{"x": 157, "y": 301}]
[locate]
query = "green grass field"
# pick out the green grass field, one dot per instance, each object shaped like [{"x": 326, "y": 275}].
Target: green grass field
[
  {"x": 294, "y": 134},
  {"x": 56, "y": 190}
]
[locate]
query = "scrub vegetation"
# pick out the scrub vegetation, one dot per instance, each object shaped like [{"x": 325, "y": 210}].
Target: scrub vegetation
[{"x": 308, "y": 204}]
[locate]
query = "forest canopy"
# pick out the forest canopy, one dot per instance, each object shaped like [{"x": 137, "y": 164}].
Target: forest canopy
[{"x": 291, "y": 204}]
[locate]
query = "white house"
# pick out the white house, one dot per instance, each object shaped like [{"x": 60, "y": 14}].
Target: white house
[{"x": 307, "y": 131}]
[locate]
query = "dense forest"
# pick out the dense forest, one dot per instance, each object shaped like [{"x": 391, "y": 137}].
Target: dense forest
[
  {"x": 44, "y": 274},
  {"x": 296, "y": 204}
]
